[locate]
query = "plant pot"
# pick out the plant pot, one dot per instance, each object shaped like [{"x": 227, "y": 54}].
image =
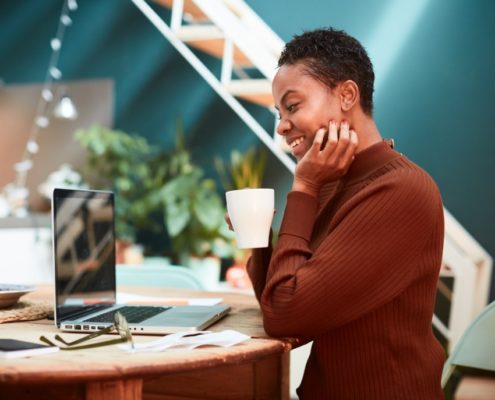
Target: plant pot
[
  {"x": 120, "y": 247},
  {"x": 127, "y": 252},
  {"x": 237, "y": 277},
  {"x": 207, "y": 270}
]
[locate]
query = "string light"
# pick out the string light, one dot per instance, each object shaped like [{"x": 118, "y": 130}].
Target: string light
[
  {"x": 55, "y": 43},
  {"x": 17, "y": 193},
  {"x": 32, "y": 147},
  {"x": 47, "y": 95},
  {"x": 72, "y": 5},
  {"x": 55, "y": 73},
  {"x": 66, "y": 20}
]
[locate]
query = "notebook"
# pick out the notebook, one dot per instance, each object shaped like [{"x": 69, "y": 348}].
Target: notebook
[{"x": 85, "y": 273}]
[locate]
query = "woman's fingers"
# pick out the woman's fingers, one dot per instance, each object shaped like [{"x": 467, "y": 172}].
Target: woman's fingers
[
  {"x": 339, "y": 139},
  {"x": 336, "y": 145},
  {"x": 227, "y": 220},
  {"x": 333, "y": 137},
  {"x": 344, "y": 139},
  {"x": 317, "y": 142},
  {"x": 348, "y": 155}
]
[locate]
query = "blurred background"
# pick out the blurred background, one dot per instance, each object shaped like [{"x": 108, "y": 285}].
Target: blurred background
[{"x": 93, "y": 95}]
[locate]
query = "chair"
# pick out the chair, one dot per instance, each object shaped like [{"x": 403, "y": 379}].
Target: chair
[
  {"x": 476, "y": 348},
  {"x": 157, "y": 276}
]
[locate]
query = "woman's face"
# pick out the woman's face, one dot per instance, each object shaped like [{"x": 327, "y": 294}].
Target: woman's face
[{"x": 305, "y": 105}]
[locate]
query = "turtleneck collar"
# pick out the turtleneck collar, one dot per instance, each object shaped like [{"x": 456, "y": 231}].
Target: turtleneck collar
[{"x": 370, "y": 159}]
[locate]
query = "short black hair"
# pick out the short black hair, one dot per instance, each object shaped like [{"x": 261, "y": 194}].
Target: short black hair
[{"x": 332, "y": 56}]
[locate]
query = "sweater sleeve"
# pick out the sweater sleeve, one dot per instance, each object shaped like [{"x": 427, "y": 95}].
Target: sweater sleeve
[
  {"x": 366, "y": 260},
  {"x": 257, "y": 267}
]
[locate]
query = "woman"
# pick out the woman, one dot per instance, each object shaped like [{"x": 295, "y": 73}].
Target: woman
[{"x": 360, "y": 245}]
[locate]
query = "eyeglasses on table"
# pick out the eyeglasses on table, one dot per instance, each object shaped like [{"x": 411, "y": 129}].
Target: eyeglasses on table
[{"x": 120, "y": 325}]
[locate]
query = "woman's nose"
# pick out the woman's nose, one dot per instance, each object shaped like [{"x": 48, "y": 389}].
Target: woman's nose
[{"x": 283, "y": 127}]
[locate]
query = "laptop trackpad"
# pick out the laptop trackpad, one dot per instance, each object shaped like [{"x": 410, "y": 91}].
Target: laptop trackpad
[{"x": 186, "y": 316}]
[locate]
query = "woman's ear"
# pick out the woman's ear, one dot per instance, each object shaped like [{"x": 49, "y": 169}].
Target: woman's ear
[{"x": 349, "y": 94}]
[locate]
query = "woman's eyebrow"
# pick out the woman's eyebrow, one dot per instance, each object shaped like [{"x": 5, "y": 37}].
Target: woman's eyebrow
[{"x": 289, "y": 91}]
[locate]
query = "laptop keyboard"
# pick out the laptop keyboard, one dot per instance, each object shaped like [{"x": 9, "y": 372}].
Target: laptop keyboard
[{"x": 133, "y": 314}]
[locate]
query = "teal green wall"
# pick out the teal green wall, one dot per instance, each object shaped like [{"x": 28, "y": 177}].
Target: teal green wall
[{"x": 435, "y": 97}]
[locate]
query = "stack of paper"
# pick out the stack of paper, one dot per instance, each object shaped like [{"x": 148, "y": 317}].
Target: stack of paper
[{"x": 188, "y": 340}]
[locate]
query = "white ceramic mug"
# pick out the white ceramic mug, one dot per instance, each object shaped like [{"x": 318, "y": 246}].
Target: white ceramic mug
[{"x": 251, "y": 214}]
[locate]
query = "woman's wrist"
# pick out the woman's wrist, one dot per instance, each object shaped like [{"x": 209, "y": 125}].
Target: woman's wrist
[{"x": 305, "y": 187}]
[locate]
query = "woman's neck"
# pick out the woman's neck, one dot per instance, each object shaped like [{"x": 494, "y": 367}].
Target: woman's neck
[{"x": 367, "y": 131}]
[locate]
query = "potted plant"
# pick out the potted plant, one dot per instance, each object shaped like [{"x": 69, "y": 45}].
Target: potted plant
[
  {"x": 122, "y": 163},
  {"x": 194, "y": 216},
  {"x": 245, "y": 170}
]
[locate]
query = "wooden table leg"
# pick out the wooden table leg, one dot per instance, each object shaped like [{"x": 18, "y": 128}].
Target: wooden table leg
[{"x": 131, "y": 389}]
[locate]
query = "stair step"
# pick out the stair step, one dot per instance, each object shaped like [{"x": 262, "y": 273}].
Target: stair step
[
  {"x": 210, "y": 39},
  {"x": 257, "y": 91},
  {"x": 191, "y": 10},
  {"x": 199, "y": 32}
]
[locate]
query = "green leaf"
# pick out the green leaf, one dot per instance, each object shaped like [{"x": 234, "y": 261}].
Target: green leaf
[
  {"x": 208, "y": 208},
  {"x": 177, "y": 216}
]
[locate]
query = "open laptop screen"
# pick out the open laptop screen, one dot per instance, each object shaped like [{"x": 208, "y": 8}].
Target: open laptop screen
[{"x": 84, "y": 248}]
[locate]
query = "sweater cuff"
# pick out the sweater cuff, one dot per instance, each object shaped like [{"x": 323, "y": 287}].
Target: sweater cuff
[{"x": 299, "y": 215}]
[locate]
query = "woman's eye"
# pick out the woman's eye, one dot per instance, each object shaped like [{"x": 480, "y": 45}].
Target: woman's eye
[{"x": 291, "y": 107}]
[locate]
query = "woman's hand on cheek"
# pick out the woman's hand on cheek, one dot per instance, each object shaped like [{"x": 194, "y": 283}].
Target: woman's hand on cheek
[{"x": 320, "y": 166}]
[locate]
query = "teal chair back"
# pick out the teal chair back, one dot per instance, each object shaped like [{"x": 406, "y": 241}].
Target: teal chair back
[
  {"x": 166, "y": 276},
  {"x": 476, "y": 348}
]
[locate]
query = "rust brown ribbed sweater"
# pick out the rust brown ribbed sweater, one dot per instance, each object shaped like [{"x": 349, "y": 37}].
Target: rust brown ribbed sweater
[{"x": 356, "y": 271}]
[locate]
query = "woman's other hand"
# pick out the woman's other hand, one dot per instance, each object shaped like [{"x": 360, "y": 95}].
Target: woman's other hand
[
  {"x": 228, "y": 221},
  {"x": 322, "y": 165}
]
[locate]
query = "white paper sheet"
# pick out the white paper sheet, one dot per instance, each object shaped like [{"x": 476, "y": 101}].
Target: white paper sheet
[
  {"x": 188, "y": 340},
  {"x": 128, "y": 298}
]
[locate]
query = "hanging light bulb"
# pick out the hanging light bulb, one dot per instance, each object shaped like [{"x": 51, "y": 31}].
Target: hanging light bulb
[{"x": 65, "y": 109}]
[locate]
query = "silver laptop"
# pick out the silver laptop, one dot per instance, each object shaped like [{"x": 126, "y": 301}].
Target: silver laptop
[{"x": 85, "y": 273}]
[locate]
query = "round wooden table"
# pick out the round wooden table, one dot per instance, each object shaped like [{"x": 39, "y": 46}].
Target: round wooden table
[{"x": 255, "y": 369}]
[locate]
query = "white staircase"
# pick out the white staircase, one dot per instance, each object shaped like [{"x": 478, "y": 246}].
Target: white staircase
[
  {"x": 470, "y": 266},
  {"x": 233, "y": 32}
]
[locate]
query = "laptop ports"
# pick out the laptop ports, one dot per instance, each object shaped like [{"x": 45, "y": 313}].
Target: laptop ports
[
  {"x": 86, "y": 327},
  {"x": 78, "y": 327}
]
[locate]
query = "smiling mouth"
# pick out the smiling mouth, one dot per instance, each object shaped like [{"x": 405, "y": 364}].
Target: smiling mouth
[{"x": 296, "y": 142}]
